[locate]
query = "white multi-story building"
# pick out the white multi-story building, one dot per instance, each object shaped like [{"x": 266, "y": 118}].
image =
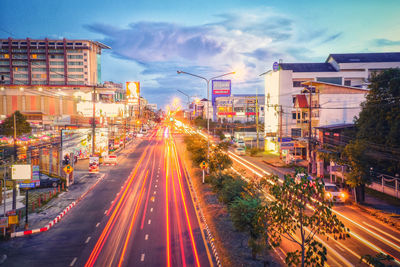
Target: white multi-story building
[
  {"x": 239, "y": 107},
  {"x": 284, "y": 82}
]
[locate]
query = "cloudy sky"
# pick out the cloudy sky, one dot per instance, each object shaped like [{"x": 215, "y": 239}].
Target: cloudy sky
[{"x": 152, "y": 39}]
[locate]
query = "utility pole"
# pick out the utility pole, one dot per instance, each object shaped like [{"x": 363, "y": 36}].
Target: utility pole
[
  {"x": 14, "y": 203},
  {"x": 93, "y": 121},
  {"x": 257, "y": 118},
  {"x": 309, "y": 131},
  {"x": 280, "y": 131}
]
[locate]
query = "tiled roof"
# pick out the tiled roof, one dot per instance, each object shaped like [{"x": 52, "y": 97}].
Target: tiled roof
[
  {"x": 366, "y": 57},
  {"x": 302, "y": 101},
  {"x": 308, "y": 67}
]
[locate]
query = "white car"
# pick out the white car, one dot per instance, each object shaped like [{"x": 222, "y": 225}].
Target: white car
[
  {"x": 333, "y": 193},
  {"x": 240, "y": 143},
  {"x": 240, "y": 151}
]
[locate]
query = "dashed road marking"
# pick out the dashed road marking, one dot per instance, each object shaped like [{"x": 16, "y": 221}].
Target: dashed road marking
[
  {"x": 156, "y": 186},
  {"x": 105, "y": 211},
  {"x": 149, "y": 221},
  {"x": 87, "y": 240},
  {"x": 153, "y": 199},
  {"x": 73, "y": 261},
  {"x": 154, "y": 192},
  {"x": 157, "y": 181},
  {"x": 142, "y": 257},
  {"x": 112, "y": 201},
  {"x": 146, "y": 237},
  {"x": 151, "y": 210},
  {"x": 97, "y": 225}
]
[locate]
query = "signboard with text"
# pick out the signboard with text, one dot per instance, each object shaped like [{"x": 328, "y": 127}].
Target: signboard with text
[
  {"x": 21, "y": 172},
  {"x": 133, "y": 92}
]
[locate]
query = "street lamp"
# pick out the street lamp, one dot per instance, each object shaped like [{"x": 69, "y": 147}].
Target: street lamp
[{"x": 208, "y": 99}]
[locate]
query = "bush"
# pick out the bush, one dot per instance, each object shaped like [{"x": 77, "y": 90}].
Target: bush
[
  {"x": 231, "y": 190},
  {"x": 218, "y": 179},
  {"x": 253, "y": 151}
]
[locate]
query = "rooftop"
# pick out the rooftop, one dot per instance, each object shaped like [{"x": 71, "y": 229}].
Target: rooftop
[
  {"x": 336, "y": 126},
  {"x": 365, "y": 57},
  {"x": 308, "y": 67}
]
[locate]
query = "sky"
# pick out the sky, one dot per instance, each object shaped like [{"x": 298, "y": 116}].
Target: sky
[{"x": 152, "y": 39}]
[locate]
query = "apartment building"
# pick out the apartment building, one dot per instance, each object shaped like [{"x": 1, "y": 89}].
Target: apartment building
[
  {"x": 46, "y": 76},
  {"x": 286, "y": 80}
]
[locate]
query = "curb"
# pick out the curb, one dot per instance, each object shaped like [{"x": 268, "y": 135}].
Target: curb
[{"x": 59, "y": 217}]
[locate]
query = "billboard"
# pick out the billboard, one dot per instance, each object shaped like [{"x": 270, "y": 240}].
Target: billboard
[
  {"x": 79, "y": 142},
  {"x": 220, "y": 88},
  {"x": 132, "y": 92},
  {"x": 21, "y": 172}
]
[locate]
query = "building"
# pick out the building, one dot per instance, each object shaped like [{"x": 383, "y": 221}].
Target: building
[
  {"x": 47, "y": 78},
  {"x": 286, "y": 80},
  {"x": 152, "y": 107},
  {"x": 331, "y": 104},
  {"x": 239, "y": 108}
]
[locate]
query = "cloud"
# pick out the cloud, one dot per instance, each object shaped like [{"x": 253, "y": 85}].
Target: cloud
[
  {"x": 245, "y": 42},
  {"x": 385, "y": 42}
]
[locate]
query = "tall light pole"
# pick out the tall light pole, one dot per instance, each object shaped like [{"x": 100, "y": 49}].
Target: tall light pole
[{"x": 208, "y": 104}]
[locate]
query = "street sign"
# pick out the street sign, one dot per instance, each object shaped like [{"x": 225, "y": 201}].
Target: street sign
[
  {"x": 3, "y": 222},
  {"x": 275, "y": 66},
  {"x": 11, "y": 212},
  {"x": 68, "y": 169},
  {"x": 203, "y": 165},
  {"x": 27, "y": 185},
  {"x": 13, "y": 219}
]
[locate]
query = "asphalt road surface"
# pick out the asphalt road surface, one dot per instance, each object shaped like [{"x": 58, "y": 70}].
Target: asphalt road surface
[{"x": 140, "y": 214}]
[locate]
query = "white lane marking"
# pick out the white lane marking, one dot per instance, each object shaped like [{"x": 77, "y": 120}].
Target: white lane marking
[
  {"x": 73, "y": 261},
  {"x": 142, "y": 257},
  {"x": 157, "y": 181},
  {"x": 383, "y": 232},
  {"x": 112, "y": 201},
  {"x": 97, "y": 225},
  {"x": 146, "y": 237},
  {"x": 154, "y": 192},
  {"x": 158, "y": 175},
  {"x": 87, "y": 240},
  {"x": 149, "y": 221},
  {"x": 156, "y": 186},
  {"x": 151, "y": 210},
  {"x": 105, "y": 212}
]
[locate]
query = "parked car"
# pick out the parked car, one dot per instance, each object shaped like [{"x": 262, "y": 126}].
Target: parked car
[
  {"x": 240, "y": 151},
  {"x": 46, "y": 181},
  {"x": 240, "y": 143},
  {"x": 333, "y": 193}
]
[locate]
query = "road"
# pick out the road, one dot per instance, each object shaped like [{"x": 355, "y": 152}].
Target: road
[
  {"x": 140, "y": 214},
  {"x": 369, "y": 236}
]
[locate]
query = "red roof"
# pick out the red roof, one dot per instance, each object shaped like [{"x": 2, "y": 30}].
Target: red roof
[{"x": 302, "y": 101}]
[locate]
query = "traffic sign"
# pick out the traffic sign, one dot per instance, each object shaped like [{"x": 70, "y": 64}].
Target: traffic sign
[
  {"x": 13, "y": 219},
  {"x": 68, "y": 169},
  {"x": 203, "y": 165},
  {"x": 27, "y": 185}
]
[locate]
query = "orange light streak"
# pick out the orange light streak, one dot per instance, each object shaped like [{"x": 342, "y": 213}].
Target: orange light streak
[
  {"x": 186, "y": 212},
  {"x": 166, "y": 208},
  {"x": 133, "y": 221}
]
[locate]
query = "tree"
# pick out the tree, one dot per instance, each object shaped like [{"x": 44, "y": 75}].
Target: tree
[
  {"x": 7, "y": 127},
  {"x": 219, "y": 160},
  {"x": 378, "y": 124},
  {"x": 248, "y": 215},
  {"x": 377, "y": 260},
  {"x": 299, "y": 211}
]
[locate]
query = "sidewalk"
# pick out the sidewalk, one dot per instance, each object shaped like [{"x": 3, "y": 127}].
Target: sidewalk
[{"x": 83, "y": 182}]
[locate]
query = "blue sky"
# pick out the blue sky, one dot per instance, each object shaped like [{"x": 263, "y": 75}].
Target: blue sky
[{"x": 151, "y": 40}]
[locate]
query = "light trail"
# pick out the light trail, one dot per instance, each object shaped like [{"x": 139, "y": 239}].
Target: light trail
[
  {"x": 128, "y": 236},
  {"x": 166, "y": 161},
  {"x": 148, "y": 192},
  {"x": 184, "y": 205}
]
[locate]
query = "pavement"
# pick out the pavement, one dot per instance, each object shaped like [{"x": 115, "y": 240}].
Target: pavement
[{"x": 140, "y": 214}]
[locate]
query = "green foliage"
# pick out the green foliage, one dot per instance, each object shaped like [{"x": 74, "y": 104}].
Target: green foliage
[
  {"x": 219, "y": 160},
  {"x": 197, "y": 148},
  {"x": 248, "y": 215},
  {"x": 253, "y": 151},
  {"x": 300, "y": 207},
  {"x": 377, "y": 260},
  {"x": 200, "y": 122},
  {"x": 231, "y": 190},
  {"x": 378, "y": 124},
  {"x": 7, "y": 127},
  {"x": 220, "y": 134},
  {"x": 355, "y": 153}
]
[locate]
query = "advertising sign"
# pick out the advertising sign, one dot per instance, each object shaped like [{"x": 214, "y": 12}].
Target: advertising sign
[
  {"x": 79, "y": 142},
  {"x": 3, "y": 222},
  {"x": 133, "y": 91},
  {"x": 275, "y": 66},
  {"x": 94, "y": 164},
  {"x": 21, "y": 172},
  {"x": 221, "y": 87},
  {"x": 36, "y": 175},
  {"x": 27, "y": 185}
]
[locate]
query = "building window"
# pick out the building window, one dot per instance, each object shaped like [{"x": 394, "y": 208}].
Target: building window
[
  {"x": 297, "y": 83},
  {"x": 56, "y": 56},
  {"x": 296, "y": 132},
  {"x": 75, "y": 69},
  {"x": 38, "y": 63},
  {"x": 334, "y": 80},
  {"x": 20, "y": 75},
  {"x": 294, "y": 115},
  {"x": 77, "y": 76},
  {"x": 347, "y": 82},
  {"x": 75, "y": 63},
  {"x": 60, "y": 63},
  {"x": 39, "y": 69},
  {"x": 56, "y": 76},
  {"x": 75, "y": 56},
  {"x": 57, "y": 69}
]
